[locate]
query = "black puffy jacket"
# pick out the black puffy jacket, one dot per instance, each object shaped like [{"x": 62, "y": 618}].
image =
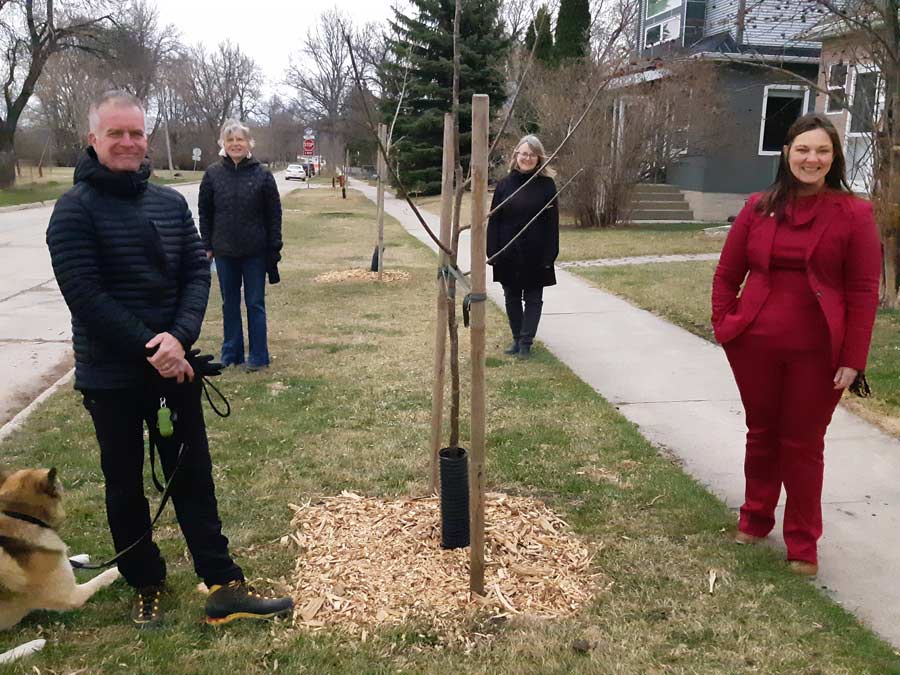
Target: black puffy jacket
[
  {"x": 240, "y": 210},
  {"x": 129, "y": 263},
  {"x": 528, "y": 263}
]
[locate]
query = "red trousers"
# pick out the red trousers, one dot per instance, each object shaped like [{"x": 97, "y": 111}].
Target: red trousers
[{"x": 783, "y": 369}]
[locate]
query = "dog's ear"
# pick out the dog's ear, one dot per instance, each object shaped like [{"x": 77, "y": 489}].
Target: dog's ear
[{"x": 51, "y": 484}]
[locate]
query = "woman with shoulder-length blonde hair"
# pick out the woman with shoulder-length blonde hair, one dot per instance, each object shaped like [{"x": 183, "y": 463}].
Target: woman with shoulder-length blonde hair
[
  {"x": 526, "y": 267},
  {"x": 793, "y": 303},
  {"x": 240, "y": 224}
]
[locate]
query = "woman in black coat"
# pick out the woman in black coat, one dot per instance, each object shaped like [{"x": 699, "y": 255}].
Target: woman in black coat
[
  {"x": 526, "y": 267},
  {"x": 240, "y": 224}
]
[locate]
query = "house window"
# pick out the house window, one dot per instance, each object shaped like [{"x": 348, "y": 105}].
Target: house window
[
  {"x": 663, "y": 32},
  {"x": 864, "y": 104},
  {"x": 837, "y": 88},
  {"x": 782, "y": 105},
  {"x": 657, "y": 7}
]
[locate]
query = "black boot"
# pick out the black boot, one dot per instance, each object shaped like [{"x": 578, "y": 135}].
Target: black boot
[
  {"x": 238, "y": 600},
  {"x": 524, "y": 350},
  {"x": 513, "y": 348},
  {"x": 146, "y": 612}
]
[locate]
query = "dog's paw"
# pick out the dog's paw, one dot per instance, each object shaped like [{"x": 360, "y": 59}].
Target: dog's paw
[{"x": 109, "y": 576}]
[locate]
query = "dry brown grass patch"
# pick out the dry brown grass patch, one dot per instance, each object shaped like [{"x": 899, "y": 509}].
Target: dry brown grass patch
[{"x": 369, "y": 562}]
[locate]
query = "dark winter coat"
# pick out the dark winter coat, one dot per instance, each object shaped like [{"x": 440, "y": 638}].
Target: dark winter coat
[
  {"x": 129, "y": 263},
  {"x": 240, "y": 210},
  {"x": 528, "y": 263}
]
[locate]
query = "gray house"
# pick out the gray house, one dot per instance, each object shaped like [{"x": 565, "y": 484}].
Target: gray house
[{"x": 754, "y": 55}]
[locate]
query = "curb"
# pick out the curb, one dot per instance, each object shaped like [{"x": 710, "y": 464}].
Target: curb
[
  {"x": 23, "y": 207},
  {"x": 16, "y": 422}
]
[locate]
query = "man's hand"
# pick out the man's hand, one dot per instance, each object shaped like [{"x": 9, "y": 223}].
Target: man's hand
[
  {"x": 844, "y": 377},
  {"x": 182, "y": 369},
  {"x": 169, "y": 353},
  {"x": 209, "y": 255}
]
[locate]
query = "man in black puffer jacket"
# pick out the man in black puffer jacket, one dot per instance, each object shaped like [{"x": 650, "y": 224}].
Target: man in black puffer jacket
[{"x": 133, "y": 272}]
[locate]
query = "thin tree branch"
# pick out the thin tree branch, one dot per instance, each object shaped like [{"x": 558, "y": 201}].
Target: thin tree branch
[
  {"x": 525, "y": 227},
  {"x": 383, "y": 150}
]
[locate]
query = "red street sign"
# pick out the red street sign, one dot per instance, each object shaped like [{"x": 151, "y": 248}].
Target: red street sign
[{"x": 309, "y": 146}]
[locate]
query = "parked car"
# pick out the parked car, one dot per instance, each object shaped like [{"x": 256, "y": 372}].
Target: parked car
[{"x": 294, "y": 172}]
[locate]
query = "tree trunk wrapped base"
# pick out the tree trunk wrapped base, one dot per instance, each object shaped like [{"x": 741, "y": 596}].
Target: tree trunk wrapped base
[{"x": 454, "y": 498}]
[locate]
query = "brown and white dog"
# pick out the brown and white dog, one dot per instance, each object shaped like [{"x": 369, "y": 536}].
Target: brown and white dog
[{"x": 34, "y": 565}]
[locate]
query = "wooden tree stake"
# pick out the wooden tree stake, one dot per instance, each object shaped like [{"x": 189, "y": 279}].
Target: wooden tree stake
[
  {"x": 382, "y": 174},
  {"x": 479, "y": 165},
  {"x": 440, "y": 328}
]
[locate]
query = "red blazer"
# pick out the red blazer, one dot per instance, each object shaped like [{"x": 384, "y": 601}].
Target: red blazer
[{"x": 843, "y": 265}]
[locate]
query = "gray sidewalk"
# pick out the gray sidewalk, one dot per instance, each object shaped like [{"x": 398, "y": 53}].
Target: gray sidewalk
[{"x": 679, "y": 390}]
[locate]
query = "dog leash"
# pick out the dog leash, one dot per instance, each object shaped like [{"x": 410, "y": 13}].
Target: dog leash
[{"x": 164, "y": 424}]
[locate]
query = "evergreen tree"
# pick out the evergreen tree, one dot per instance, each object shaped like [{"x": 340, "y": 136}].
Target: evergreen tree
[
  {"x": 573, "y": 26},
  {"x": 425, "y": 43},
  {"x": 541, "y": 26}
]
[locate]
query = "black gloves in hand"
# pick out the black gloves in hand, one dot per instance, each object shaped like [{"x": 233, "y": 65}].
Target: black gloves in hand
[
  {"x": 203, "y": 364},
  {"x": 274, "y": 277}
]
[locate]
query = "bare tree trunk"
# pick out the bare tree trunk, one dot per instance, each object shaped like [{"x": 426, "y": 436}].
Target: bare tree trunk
[
  {"x": 451, "y": 309},
  {"x": 7, "y": 159}
]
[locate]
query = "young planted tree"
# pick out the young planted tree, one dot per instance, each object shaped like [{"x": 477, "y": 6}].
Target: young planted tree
[{"x": 30, "y": 33}]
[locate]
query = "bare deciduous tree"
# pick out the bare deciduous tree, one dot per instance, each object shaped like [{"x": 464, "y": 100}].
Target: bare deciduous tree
[
  {"x": 30, "y": 33},
  {"x": 222, "y": 83}
]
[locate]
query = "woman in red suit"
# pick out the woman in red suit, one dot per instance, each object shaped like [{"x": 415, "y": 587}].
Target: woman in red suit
[{"x": 807, "y": 253}]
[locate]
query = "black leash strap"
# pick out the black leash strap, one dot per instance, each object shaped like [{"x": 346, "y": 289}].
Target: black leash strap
[
  {"x": 166, "y": 493},
  {"x": 164, "y": 489}
]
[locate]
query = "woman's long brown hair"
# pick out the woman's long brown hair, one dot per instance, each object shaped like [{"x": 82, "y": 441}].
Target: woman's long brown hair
[{"x": 779, "y": 193}]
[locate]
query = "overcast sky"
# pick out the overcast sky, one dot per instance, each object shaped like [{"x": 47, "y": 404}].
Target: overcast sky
[{"x": 267, "y": 30}]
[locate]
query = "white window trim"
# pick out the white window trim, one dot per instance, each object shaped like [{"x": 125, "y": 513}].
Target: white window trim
[
  {"x": 762, "y": 121},
  {"x": 661, "y": 24},
  {"x": 829, "y": 89},
  {"x": 851, "y": 94},
  {"x": 647, "y": 17}
]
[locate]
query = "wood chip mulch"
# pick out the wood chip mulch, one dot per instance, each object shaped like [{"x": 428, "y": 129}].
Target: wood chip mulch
[
  {"x": 368, "y": 562},
  {"x": 387, "y": 276}
]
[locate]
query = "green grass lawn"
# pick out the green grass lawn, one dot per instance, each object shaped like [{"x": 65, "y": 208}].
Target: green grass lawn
[
  {"x": 680, "y": 293},
  {"x": 33, "y": 192},
  {"x": 345, "y": 406},
  {"x": 634, "y": 240},
  {"x": 57, "y": 180}
]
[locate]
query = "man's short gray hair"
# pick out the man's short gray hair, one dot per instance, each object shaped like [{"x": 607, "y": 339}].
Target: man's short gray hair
[
  {"x": 117, "y": 97},
  {"x": 233, "y": 126}
]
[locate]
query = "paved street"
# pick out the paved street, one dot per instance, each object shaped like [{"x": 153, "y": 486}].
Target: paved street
[
  {"x": 34, "y": 321},
  {"x": 679, "y": 390}
]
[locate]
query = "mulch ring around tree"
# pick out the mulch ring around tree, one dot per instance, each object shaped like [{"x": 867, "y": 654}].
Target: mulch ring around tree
[
  {"x": 387, "y": 276},
  {"x": 366, "y": 563}
]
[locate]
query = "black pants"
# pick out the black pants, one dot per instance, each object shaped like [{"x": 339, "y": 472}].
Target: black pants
[
  {"x": 523, "y": 321},
  {"x": 119, "y": 416}
]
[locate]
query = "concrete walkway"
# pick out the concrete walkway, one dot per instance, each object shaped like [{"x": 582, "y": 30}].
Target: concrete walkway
[{"x": 679, "y": 390}]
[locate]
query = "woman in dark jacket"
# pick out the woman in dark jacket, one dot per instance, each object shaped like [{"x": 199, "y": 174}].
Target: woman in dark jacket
[
  {"x": 793, "y": 302},
  {"x": 240, "y": 224},
  {"x": 527, "y": 265}
]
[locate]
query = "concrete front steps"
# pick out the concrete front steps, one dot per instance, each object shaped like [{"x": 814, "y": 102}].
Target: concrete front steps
[{"x": 655, "y": 201}]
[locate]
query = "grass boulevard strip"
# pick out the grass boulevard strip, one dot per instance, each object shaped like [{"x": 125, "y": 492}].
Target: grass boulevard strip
[{"x": 346, "y": 406}]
